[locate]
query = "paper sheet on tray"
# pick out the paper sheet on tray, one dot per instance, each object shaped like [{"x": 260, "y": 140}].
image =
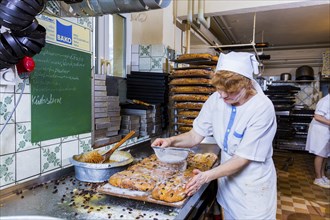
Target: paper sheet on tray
[{"x": 137, "y": 195}]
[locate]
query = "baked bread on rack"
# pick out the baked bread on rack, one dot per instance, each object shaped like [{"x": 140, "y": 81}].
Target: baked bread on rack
[
  {"x": 190, "y": 81},
  {"x": 191, "y": 56},
  {"x": 191, "y": 73},
  {"x": 193, "y": 89},
  {"x": 189, "y": 97}
]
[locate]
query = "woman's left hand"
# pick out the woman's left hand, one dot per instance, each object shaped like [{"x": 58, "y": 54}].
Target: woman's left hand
[{"x": 196, "y": 182}]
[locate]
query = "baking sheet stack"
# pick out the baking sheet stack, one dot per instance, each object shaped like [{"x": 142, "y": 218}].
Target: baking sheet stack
[
  {"x": 190, "y": 87},
  {"x": 106, "y": 114}
]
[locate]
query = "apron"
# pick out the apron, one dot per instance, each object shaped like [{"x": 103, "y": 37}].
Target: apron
[{"x": 251, "y": 193}]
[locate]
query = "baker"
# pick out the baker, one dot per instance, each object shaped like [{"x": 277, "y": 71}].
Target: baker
[{"x": 242, "y": 121}]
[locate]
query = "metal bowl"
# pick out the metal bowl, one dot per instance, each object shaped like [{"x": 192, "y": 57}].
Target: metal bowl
[{"x": 95, "y": 172}]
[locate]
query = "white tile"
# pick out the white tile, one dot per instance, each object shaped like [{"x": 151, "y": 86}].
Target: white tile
[
  {"x": 7, "y": 140},
  {"x": 20, "y": 86},
  {"x": 135, "y": 68},
  {"x": 85, "y": 145},
  {"x": 69, "y": 138},
  {"x": 50, "y": 157},
  {"x": 28, "y": 179},
  {"x": 68, "y": 150},
  {"x": 85, "y": 135},
  {"x": 157, "y": 50},
  {"x": 7, "y": 88},
  {"x": 7, "y": 103},
  {"x": 23, "y": 137},
  {"x": 23, "y": 110},
  {"x": 135, "y": 59},
  {"x": 7, "y": 165},
  {"x": 50, "y": 171},
  {"x": 50, "y": 142},
  {"x": 135, "y": 48},
  {"x": 28, "y": 164},
  {"x": 145, "y": 63}
]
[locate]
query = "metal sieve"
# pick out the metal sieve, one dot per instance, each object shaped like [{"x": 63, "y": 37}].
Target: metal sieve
[{"x": 171, "y": 154}]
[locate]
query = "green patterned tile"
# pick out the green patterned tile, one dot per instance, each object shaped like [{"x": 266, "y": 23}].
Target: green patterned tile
[
  {"x": 85, "y": 145},
  {"x": 7, "y": 103},
  {"x": 23, "y": 137},
  {"x": 50, "y": 157},
  {"x": 7, "y": 169}
]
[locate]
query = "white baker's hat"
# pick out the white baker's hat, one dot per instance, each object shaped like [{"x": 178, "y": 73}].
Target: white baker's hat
[{"x": 242, "y": 63}]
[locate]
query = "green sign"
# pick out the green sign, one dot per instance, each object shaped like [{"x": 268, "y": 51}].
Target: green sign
[{"x": 60, "y": 93}]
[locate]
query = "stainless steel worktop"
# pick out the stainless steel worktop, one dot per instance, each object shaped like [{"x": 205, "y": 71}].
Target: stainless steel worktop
[{"x": 65, "y": 197}]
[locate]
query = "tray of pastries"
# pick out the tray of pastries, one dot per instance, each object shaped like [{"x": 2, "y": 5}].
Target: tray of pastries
[{"x": 153, "y": 181}]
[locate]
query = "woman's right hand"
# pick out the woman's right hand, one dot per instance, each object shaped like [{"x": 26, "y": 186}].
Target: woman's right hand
[{"x": 161, "y": 142}]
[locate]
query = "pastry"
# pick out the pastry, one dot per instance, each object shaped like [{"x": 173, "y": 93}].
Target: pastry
[
  {"x": 184, "y": 128},
  {"x": 189, "y": 105},
  {"x": 191, "y": 73},
  {"x": 187, "y": 97},
  {"x": 203, "y": 161},
  {"x": 191, "y": 56},
  {"x": 172, "y": 190},
  {"x": 186, "y": 121},
  {"x": 190, "y": 81},
  {"x": 129, "y": 179},
  {"x": 187, "y": 113},
  {"x": 193, "y": 89}
]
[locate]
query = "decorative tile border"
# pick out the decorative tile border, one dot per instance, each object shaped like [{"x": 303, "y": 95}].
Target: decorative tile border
[
  {"x": 50, "y": 157},
  {"x": 23, "y": 137},
  {"x": 7, "y": 103},
  {"x": 7, "y": 169}
]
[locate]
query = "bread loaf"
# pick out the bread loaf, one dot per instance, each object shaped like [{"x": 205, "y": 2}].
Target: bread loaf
[
  {"x": 163, "y": 182},
  {"x": 191, "y": 72},
  {"x": 191, "y": 56},
  {"x": 188, "y": 114},
  {"x": 189, "y": 105},
  {"x": 186, "y": 121},
  {"x": 203, "y": 161},
  {"x": 190, "y": 81},
  {"x": 185, "y": 97},
  {"x": 173, "y": 190},
  {"x": 184, "y": 128},
  {"x": 192, "y": 89},
  {"x": 129, "y": 179}
]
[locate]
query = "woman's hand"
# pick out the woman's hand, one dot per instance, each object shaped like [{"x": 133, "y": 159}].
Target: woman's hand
[
  {"x": 162, "y": 142},
  {"x": 196, "y": 182}
]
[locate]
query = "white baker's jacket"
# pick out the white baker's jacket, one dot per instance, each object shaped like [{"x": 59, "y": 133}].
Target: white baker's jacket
[
  {"x": 318, "y": 138},
  {"x": 248, "y": 132}
]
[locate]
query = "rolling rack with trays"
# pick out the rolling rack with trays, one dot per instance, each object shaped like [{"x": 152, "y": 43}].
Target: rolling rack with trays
[{"x": 189, "y": 88}]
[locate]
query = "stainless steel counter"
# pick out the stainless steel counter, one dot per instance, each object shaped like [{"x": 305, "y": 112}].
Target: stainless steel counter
[{"x": 65, "y": 197}]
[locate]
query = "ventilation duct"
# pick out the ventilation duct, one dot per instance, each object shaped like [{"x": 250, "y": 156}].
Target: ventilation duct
[{"x": 101, "y": 7}]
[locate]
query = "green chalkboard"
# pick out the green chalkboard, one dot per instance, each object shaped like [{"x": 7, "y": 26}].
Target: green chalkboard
[{"x": 60, "y": 93}]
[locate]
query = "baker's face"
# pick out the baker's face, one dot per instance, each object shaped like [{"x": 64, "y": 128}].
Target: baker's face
[{"x": 233, "y": 98}]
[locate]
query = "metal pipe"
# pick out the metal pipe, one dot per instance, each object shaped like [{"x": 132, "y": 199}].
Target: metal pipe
[
  {"x": 206, "y": 23},
  {"x": 190, "y": 12},
  {"x": 232, "y": 36}
]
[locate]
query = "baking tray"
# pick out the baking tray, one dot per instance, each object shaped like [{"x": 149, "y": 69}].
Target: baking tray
[{"x": 136, "y": 195}]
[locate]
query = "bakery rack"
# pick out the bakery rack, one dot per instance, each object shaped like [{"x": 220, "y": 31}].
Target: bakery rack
[{"x": 189, "y": 88}]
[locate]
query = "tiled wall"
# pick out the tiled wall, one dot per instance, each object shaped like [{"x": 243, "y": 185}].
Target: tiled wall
[
  {"x": 148, "y": 58},
  {"x": 21, "y": 160}
]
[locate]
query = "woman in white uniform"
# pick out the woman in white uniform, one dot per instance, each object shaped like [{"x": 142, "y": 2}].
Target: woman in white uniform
[
  {"x": 318, "y": 140},
  {"x": 242, "y": 121}
]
